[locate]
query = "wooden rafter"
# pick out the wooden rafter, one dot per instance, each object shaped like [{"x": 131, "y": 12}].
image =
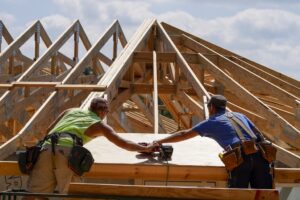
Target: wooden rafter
[{"x": 49, "y": 109}]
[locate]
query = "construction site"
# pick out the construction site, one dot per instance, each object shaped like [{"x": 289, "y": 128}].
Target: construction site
[{"x": 156, "y": 83}]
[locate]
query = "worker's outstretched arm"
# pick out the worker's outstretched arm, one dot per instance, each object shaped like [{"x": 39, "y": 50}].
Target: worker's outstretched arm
[
  {"x": 100, "y": 128},
  {"x": 178, "y": 136}
]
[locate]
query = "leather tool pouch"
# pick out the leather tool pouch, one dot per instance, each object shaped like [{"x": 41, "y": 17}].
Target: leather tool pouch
[
  {"x": 268, "y": 151},
  {"x": 249, "y": 147},
  {"x": 232, "y": 158},
  {"x": 80, "y": 160},
  {"x": 28, "y": 158}
]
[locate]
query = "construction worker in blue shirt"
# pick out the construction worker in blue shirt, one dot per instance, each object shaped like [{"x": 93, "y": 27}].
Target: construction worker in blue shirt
[{"x": 254, "y": 170}]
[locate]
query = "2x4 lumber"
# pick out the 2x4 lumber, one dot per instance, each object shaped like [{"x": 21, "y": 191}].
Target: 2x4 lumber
[
  {"x": 122, "y": 97},
  {"x": 5, "y": 33},
  {"x": 122, "y": 123},
  {"x": 175, "y": 31},
  {"x": 191, "y": 103},
  {"x": 273, "y": 79},
  {"x": 51, "y": 50},
  {"x": 183, "y": 116},
  {"x": 5, "y": 131},
  {"x": 80, "y": 87},
  {"x": 17, "y": 43},
  {"x": 155, "y": 94},
  {"x": 145, "y": 88},
  {"x": 10, "y": 146},
  {"x": 147, "y": 112},
  {"x": 120, "y": 66},
  {"x": 169, "y": 103},
  {"x": 37, "y": 43},
  {"x": 180, "y": 62},
  {"x": 242, "y": 74},
  {"x": 104, "y": 59},
  {"x": 158, "y": 172},
  {"x": 167, "y": 57},
  {"x": 290, "y": 133},
  {"x": 287, "y": 157},
  {"x": 172, "y": 192},
  {"x": 280, "y": 76},
  {"x": 121, "y": 36},
  {"x": 147, "y": 57},
  {"x": 287, "y": 132},
  {"x": 94, "y": 50},
  {"x": 115, "y": 45},
  {"x": 54, "y": 85}
]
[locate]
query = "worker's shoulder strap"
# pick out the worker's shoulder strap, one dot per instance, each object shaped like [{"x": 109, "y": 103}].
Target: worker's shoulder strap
[{"x": 238, "y": 124}]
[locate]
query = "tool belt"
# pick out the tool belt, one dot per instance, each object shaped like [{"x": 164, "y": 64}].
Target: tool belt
[
  {"x": 232, "y": 158},
  {"x": 249, "y": 147},
  {"x": 80, "y": 159},
  {"x": 268, "y": 151},
  {"x": 28, "y": 158},
  {"x": 233, "y": 155}
]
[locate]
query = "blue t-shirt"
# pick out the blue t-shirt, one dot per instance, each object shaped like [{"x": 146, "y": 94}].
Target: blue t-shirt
[{"x": 219, "y": 128}]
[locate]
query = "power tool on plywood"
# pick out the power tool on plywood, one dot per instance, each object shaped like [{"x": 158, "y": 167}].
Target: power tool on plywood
[{"x": 164, "y": 152}]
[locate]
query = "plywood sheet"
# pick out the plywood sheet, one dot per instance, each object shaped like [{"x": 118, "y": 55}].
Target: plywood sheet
[{"x": 199, "y": 151}]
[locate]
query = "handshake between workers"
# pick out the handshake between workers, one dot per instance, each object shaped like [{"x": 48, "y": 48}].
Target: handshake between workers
[{"x": 164, "y": 152}]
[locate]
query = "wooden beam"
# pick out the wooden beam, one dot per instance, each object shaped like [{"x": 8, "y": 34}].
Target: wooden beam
[
  {"x": 172, "y": 192},
  {"x": 270, "y": 77},
  {"x": 147, "y": 57},
  {"x": 51, "y": 50},
  {"x": 147, "y": 112},
  {"x": 175, "y": 31},
  {"x": 10, "y": 146},
  {"x": 180, "y": 62},
  {"x": 288, "y": 133},
  {"x": 114, "y": 75},
  {"x": 80, "y": 87},
  {"x": 104, "y": 59},
  {"x": 155, "y": 95},
  {"x": 158, "y": 172},
  {"x": 145, "y": 88},
  {"x": 287, "y": 157},
  {"x": 206, "y": 113},
  {"x": 191, "y": 103},
  {"x": 242, "y": 75},
  {"x": 53, "y": 85},
  {"x": 93, "y": 51},
  {"x": 18, "y": 42}
]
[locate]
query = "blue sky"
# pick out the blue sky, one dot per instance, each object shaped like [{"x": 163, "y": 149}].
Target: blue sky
[{"x": 265, "y": 31}]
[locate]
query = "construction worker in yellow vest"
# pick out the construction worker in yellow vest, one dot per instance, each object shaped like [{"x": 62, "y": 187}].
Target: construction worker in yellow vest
[{"x": 72, "y": 126}]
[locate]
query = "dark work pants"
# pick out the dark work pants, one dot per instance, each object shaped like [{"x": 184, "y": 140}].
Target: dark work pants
[{"x": 254, "y": 170}]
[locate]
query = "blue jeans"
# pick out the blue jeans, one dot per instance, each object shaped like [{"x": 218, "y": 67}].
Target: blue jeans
[{"x": 255, "y": 170}]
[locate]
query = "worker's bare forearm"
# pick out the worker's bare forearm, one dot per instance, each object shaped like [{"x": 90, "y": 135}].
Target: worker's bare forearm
[
  {"x": 178, "y": 136},
  {"x": 131, "y": 146},
  {"x": 112, "y": 136}
]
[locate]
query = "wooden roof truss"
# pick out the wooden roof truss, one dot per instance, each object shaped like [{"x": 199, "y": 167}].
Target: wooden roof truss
[{"x": 162, "y": 69}]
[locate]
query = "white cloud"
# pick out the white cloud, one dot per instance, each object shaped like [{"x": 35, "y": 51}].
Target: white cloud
[
  {"x": 7, "y": 18},
  {"x": 270, "y": 37},
  {"x": 56, "y": 22}
]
